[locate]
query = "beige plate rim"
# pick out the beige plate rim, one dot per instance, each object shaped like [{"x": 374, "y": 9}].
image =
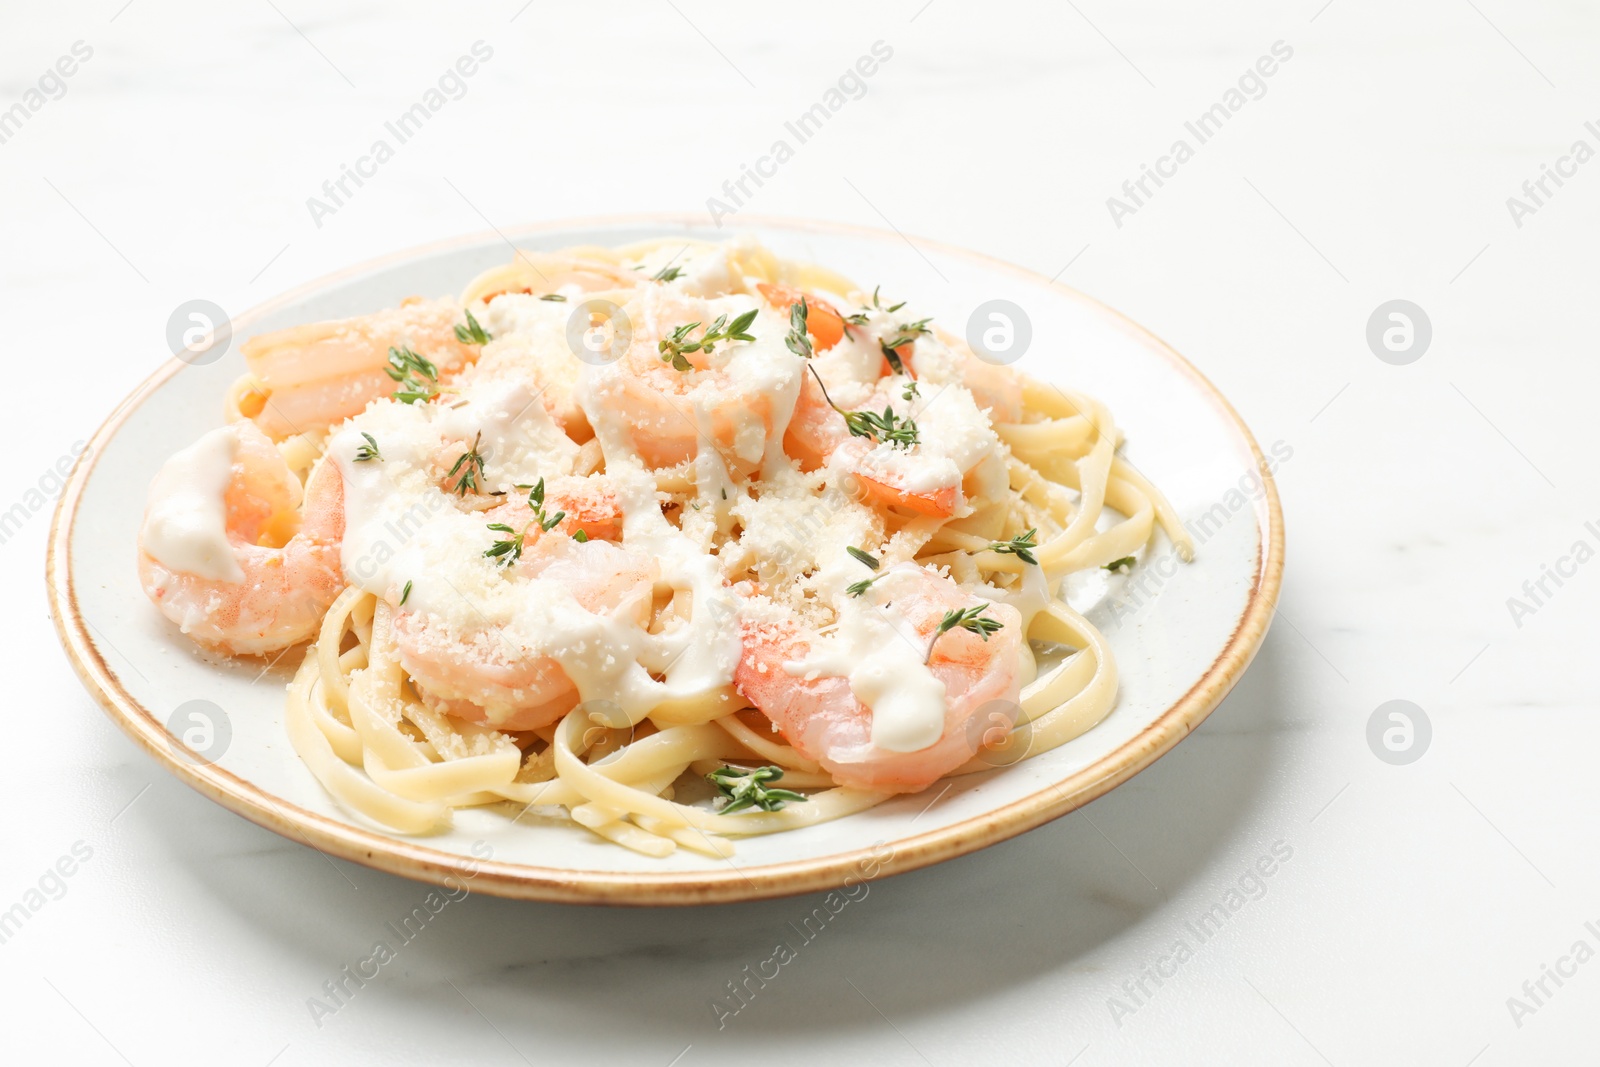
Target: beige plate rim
[{"x": 412, "y": 860}]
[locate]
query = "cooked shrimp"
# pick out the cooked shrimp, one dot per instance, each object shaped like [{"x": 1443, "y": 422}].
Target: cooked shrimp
[
  {"x": 309, "y": 377},
  {"x": 820, "y": 713},
  {"x": 487, "y": 675},
  {"x": 229, "y": 550},
  {"x": 733, "y": 397},
  {"x": 823, "y": 321},
  {"x": 587, "y": 504},
  {"x": 921, "y": 478}
]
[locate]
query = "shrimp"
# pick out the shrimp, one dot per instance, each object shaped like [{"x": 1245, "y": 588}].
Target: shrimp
[
  {"x": 823, "y": 321},
  {"x": 488, "y": 675},
  {"x": 233, "y": 552},
  {"x": 310, "y": 377},
  {"x": 735, "y": 397},
  {"x": 941, "y": 397},
  {"x": 821, "y": 717},
  {"x": 882, "y": 474},
  {"x": 586, "y": 504}
]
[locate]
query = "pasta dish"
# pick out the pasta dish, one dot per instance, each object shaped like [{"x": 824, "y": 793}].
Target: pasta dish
[{"x": 677, "y": 542}]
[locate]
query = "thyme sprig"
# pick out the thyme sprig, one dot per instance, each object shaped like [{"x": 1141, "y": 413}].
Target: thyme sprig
[
  {"x": 905, "y": 335},
  {"x": 536, "y": 502},
  {"x": 889, "y": 427},
  {"x": 895, "y": 363},
  {"x": 1121, "y": 566},
  {"x": 472, "y": 333},
  {"x": 973, "y": 620},
  {"x": 509, "y": 549},
  {"x": 368, "y": 451},
  {"x": 1022, "y": 547},
  {"x": 470, "y": 468},
  {"x": 677, "y": 345},
  {"x": 418, "y": 377},
  {"x": 866, "y": 558},
  {"x": 798, "y": 340},
  {"x": 860, "y": 317},
  {"x": 748, "y": 789}
]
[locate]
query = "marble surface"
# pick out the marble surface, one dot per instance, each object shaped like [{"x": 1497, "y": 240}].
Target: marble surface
[{"x": 1415, "y": 913}]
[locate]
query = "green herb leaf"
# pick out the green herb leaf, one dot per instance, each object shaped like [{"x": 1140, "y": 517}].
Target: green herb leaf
[
  {"x": 368, "y": 451},
  {"x": 892, "y": 309},
  {"x": 893, "y": 357},
  {"x": 470, "y": 467},
  {"x": 668, "y": 273},
  {"x": 405, "y": 593},
  {"x": 472, "y": 333},
  {"x": 889, "y": 427},
  {"x": 867, "y": 559},
  {"x": 1121, "y": 566},
  {"x": 418, "y": 377},
  {"x": 536, "y": 502},
  {"x": 1021, "y": 547},
  {"x": 554, "y": 298},
  {"x": 508, "y": 549},
  {"x": 798, "y": 340},
  {"x": 971, "y": 619},
  {"x": 579, "y": 535},
  {"x": 677, "y": 345},
  {"x": 863, "y": 557},
  {"x": 748, "y": 789},
  {"x": 908, "y": 333}
]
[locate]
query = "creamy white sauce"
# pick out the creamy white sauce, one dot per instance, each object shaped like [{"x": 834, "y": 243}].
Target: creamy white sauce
[
  {"x": 186, "y": 519},
  {"x": 402, "y": 527},
  {"x": 883, "y": 657},
  {"x": 954, "y": 434}
]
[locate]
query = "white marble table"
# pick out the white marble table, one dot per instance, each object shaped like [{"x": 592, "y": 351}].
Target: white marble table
[{"x": 1415, "y": 901}]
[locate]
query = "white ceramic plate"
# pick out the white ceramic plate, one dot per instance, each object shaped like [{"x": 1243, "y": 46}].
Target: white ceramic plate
[{"x": 1182, "y": 634}]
